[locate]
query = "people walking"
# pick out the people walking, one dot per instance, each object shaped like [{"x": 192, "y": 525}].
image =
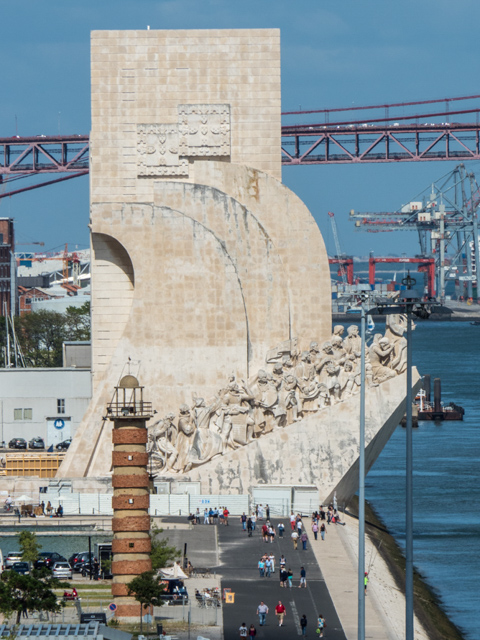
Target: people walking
[
  {"x": 294, "y": 537},
  {"x": 252, "y": 632},
  {"x": 262, "y": 611},
  {"x": 265, "y": 533},
  {"x": 243, "y": 630},
  {"x": 281, "y": 613},
  {"x": 365, "y": 581},
  {"x": 290, "y": 578},
  {"x": 253, "y": 518},
  {"x": 226, "y": 513},
  {"x": 205, "y": 517},
  {"x": 315, "y": 529},
  {"x": 304, "y": 539},
  {"x": 267, "y": 512},
  {"x": 323, "y": 530},
  {"x": 292, "y": 520},
  {"x": 281, "y": 529},
  {"x": 268, "y": 567},
  {"x": 243, "y": 520},
  {"x": 283, "y": 577},
  {"x": 249, "y": 527},
  {"x": 303, "y": 578},
  {"x": 282, "y": 562},
  {"x": 303, "y": 624},
  {"x": 261, "y": 567},
  {"x": 321, "y": 624}
]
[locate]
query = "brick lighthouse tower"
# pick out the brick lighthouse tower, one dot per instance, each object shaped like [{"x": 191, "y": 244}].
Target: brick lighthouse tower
[{"x": 131, "y": 544}]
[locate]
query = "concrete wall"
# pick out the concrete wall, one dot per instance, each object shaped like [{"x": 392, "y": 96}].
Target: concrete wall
[{"x": 39, "y": 390}]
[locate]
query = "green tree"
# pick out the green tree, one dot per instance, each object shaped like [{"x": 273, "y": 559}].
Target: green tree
[
  {"x": 147, "y": 591},
  {"x": 29, "y": 546},
  {"x": 34, "y": 592},
  {"x": 77, "y": 322},
  {"x": 41, "y": 335},
  {"x": 162, "y": 554}
]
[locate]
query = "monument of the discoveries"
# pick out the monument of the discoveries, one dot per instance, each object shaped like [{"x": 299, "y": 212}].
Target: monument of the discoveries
[{"x": 210, "y": 279}]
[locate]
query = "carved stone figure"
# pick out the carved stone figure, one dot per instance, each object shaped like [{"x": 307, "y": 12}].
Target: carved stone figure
[
  {"x": 266, "y": 404},
  {"x": 338, "y": 331},
  {"x": 339, "y": 352},
  {"x": 206, "y": 443},
  {"x": 292, "y": 386},
  {"x": 163, "y": 435},
  {"x": 395, "y": 327},
  {"x": 349, "y": 380},
  {"x": 380, "y": 354},
  {"x": 186, "y": 431},
  {"x": 353, "y": 343}
]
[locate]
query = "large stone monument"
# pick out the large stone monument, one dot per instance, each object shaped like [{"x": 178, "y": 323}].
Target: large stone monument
[{"x": 210, "y": 278}]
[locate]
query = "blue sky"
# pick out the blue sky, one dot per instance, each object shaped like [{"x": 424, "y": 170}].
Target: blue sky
[{"x": 334, "y": 54}]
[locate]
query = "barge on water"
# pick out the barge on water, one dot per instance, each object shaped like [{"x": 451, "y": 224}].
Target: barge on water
[{"x": 436, "y": 410}]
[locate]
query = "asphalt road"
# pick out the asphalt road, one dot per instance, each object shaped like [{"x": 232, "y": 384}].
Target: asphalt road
[{"x": 239, "y": 556}]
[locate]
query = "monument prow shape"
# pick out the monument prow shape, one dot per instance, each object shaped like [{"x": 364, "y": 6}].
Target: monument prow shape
[{"x": 202, "y": 260}]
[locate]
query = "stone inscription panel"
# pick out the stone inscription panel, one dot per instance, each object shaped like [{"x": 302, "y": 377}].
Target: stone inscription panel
[{"x": 203, "y": 130}]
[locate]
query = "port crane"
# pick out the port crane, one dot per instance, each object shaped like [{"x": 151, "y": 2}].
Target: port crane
[{"x": 445, "y": 216}]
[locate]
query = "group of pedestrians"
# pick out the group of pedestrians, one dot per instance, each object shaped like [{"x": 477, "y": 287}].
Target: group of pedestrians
[
  {"x": 320, "y": 625},
  {"x": 214, "y": 515},
  {"x": 266, "y": 565},
  {"x": 281, "y": 613},
  {"x": 298, "y": 532}
]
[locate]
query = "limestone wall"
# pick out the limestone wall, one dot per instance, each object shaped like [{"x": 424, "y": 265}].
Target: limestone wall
[{"x": 202, "y": 259}]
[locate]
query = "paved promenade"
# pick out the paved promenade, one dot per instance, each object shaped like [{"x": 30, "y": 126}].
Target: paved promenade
[{"x": 239, "y": 556}]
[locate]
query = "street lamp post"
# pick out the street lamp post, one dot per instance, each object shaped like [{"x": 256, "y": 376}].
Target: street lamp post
[
  {"x": 409, "y": 304},
  {"x": 361, "y": 484}
]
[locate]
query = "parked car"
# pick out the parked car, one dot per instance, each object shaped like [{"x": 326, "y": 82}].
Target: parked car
[
  {"x": 63, "y": 446},
  {"x": 12, "y": 557},
  {"x": 17, "y": 443},
  {"x": 36, "y": 443},
  {"x": 80, "y": 560},
  {"x": 48, "y": 559},
  {"x": 62, "y": 570},
  {"x": 21, "y": 567}
]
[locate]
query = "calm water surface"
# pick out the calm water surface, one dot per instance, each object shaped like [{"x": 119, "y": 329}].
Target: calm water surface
[{"x": 446, "y": 475}]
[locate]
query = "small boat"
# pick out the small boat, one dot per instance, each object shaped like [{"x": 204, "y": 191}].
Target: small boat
[
  {"x": 436, "y": 410},
  {"x": 475, "y": 323}
]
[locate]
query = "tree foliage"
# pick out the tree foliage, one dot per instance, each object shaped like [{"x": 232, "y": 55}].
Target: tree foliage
[
  {"x": 34, "y": 592},
  {"x": 162, "y": 554},
  {"x": 27, "y": 541},
  {"x": 147, "y": 591},
  {"x": 42, "y": 333}
]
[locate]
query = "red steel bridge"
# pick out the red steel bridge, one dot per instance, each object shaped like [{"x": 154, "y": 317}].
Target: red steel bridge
[{"x": 431, "y": 130}]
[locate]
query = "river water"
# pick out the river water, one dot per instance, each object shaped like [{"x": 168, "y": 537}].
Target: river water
[{"x": 446, "y": 475}]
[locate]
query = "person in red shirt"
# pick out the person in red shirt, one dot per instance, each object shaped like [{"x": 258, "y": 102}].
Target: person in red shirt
[
  {"x": 280, "y": 612},
  {"x": 226, "y": 513}
]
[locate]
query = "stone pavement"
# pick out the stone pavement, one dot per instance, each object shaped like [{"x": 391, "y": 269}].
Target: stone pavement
[
  {"x": 339, "y": 568},
  {"x": 239, "y": 555}
]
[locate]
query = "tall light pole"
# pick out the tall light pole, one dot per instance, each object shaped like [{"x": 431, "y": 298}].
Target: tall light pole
[
  {"x": 361, "y": 484},
  {"x": 409, "y": 304}
]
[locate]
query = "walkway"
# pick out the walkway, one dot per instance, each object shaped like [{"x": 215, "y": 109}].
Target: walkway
[{"x": 239, "y": 556}]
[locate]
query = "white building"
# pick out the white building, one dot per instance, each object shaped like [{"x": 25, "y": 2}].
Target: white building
[{"x": 49, "y": 403}]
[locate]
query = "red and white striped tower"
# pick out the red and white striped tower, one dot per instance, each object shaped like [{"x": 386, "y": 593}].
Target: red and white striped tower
[{"x": 131, "y": 544}]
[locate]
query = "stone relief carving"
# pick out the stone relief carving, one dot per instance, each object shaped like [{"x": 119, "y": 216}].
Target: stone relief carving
[
  {"x": 202, "y": 130},
  {"x": 293, "y": 384}
]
